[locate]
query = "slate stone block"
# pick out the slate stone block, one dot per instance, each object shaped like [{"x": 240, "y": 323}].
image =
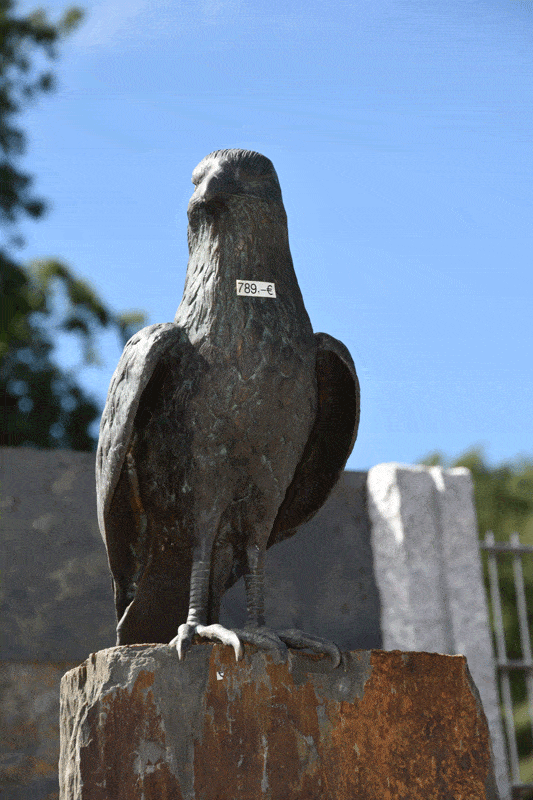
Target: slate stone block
[{"x": 137, "y": 723}]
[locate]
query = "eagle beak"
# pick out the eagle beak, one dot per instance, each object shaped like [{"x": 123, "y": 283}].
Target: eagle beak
[{"x": 214, "y": 187}]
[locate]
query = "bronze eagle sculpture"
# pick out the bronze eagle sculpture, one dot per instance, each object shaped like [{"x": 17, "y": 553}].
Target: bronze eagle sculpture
[{"x": 224, "y": 430}]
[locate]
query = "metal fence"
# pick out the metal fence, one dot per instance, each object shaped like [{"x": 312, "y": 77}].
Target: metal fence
[{"x": 496, "y": 551}]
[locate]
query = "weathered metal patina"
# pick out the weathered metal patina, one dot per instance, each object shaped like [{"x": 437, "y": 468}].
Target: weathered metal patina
[{"x": 224, "y": 430}]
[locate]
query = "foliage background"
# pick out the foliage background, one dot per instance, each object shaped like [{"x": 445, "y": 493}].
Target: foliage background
[{"x": 43, "y": 404}]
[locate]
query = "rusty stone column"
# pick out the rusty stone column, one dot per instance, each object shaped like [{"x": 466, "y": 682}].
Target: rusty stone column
[{"x": 137, "y": 724}]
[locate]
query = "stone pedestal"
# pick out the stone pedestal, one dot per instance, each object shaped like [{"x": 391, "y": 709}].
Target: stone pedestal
[{"x": 137, "y": 724}]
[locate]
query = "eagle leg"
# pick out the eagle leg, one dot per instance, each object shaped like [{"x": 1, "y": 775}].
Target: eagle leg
[
  {"x": 255, "y": 589},
  {"x": 257, "y": 633},
  {"x": 197, "y": 617}
]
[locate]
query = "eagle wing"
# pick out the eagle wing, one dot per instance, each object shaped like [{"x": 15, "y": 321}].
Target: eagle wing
[
  {"x": 331, "y": 439},
  {"x": 134, "y": 370}
]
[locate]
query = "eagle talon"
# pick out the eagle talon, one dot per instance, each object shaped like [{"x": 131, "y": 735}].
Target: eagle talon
[
  {"x": 266, "y": 639},
  {"x": 306, "y": 641},
  {"x": 183, "y": 640},
  {"x": 217, "y": 633}
]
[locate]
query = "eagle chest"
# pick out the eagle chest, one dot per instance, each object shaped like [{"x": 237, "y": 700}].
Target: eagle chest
[
  {"x": 261, "y": 391},
  {"x": 246, "y": 409}
]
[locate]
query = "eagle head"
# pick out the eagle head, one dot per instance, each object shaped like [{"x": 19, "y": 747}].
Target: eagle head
[{"x": 227, "y": 174}]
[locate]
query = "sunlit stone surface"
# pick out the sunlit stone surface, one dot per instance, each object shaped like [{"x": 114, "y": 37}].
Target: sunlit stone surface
[{"x": 137, "y": 723}]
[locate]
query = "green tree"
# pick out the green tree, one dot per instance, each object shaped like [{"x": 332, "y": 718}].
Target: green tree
[
  {"x": 20, "y": 83},
  {"x": 42, "y": 405}
]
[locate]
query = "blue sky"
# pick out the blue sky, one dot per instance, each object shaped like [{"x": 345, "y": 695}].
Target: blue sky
[{"x": 401, "y": 132}]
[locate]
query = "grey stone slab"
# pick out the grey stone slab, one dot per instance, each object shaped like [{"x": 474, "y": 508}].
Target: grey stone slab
[
  {"x": 467, "y": 609},
  {"x": 428, "y": 570}
]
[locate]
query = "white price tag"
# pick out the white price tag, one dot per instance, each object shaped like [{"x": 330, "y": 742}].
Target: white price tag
[{"x": 256, "y": 289}]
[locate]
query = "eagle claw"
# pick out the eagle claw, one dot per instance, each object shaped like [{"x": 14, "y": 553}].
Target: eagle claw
[
  {"x": 266, "y": 639},
  {"x": 280, "y": 641},
  {"x": 218, "y": 633},
  {"x": 306, "y": 641}
]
